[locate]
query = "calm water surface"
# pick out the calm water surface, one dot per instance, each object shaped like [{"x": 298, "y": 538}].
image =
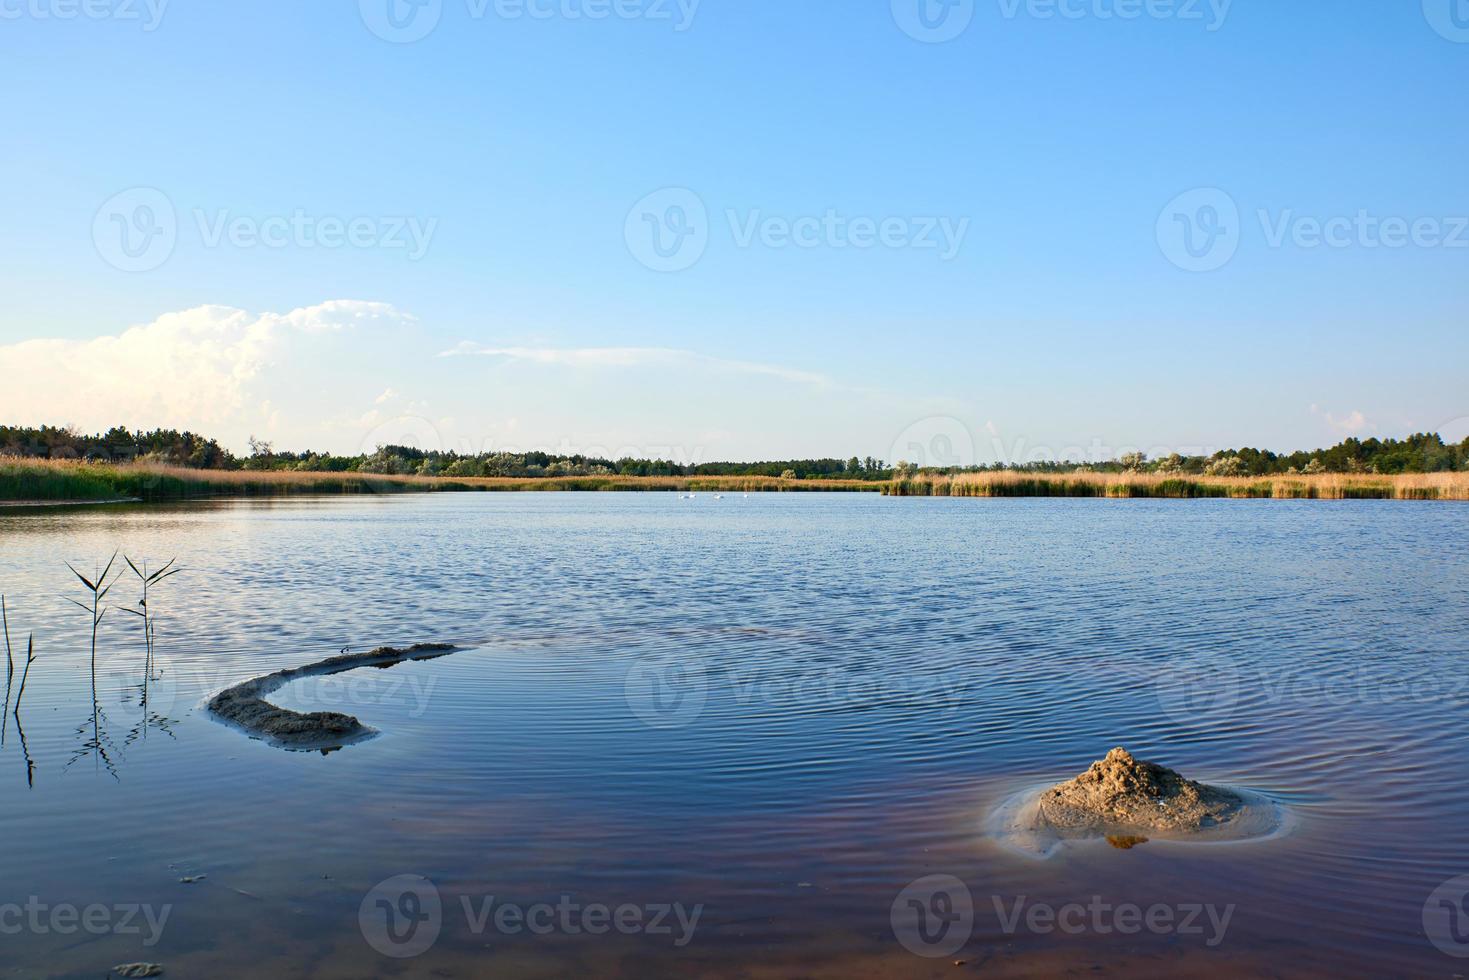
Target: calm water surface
[{"x": 779, "y": 710}]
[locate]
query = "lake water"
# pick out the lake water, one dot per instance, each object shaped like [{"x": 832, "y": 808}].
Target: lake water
[{"x": 706, "y": 737}]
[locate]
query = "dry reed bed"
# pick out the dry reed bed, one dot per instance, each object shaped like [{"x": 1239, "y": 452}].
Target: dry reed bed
[
  {"x": 1329, "y": 486},
  {"x": 24, "y": 479}
]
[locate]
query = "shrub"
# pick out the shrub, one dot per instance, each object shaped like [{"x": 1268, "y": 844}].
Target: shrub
[{"x": 1225, "y": 466}]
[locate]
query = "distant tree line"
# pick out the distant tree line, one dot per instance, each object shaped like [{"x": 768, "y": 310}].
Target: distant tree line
[
  {"x": 116, "y": 445},
  {"x": 188, "y": 449},
  {"x": 1423, "y": 452},
  {"x": 1419, "y": 453}
]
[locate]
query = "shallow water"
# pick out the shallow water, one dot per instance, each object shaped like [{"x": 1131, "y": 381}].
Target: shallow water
[{"x": 782, "y": 710}]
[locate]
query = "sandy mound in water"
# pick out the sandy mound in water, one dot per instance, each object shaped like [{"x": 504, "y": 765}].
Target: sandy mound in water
[
  {"x": 1129, "y": 802},
  {"x": 1121, "y": 792},
  {"x": 244, "y": 705}
]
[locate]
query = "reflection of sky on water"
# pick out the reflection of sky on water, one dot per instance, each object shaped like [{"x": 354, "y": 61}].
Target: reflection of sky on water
[{"x": 785, "y": 708}]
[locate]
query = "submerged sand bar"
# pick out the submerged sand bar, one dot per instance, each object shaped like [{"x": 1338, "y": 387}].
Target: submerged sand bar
[{"x": 244, "y": 704}]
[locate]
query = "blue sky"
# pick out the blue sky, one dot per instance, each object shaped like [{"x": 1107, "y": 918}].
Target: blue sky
[{"x": 894, "y": 243}]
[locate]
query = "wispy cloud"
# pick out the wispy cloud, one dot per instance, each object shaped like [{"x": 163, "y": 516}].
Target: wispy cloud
[{"x": 635, "y": 357}]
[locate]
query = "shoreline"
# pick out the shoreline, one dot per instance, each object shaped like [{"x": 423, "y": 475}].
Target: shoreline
[
  {"x": 33, "y": 484},
  {"x": 40, "y": 504}
]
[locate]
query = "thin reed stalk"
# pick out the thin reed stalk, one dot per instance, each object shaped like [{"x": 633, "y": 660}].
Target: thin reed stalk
[
  {"x": 145, "y": 613},
  {"x": 9, "y": 660},
  {"x": 30, "y": 658},
  {"x": 9, "y": 673},
  {"x": 99, "y": 590}
]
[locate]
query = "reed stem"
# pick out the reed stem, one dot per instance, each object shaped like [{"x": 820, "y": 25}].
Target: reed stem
[{"x": 30, "y": 658}]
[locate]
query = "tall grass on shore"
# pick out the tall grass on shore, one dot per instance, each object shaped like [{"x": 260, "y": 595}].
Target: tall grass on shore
[
  {"x": 46, "y": 480},
  {"x": 1330, "y": 486},
  {"x": 61, "y": 481}
]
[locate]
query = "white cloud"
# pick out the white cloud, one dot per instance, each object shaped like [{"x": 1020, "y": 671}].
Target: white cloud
[
  {"x": 631, "y": 357},
  {"x": 189, "y": 368},
  {"x": 1354, "y": 423}
]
